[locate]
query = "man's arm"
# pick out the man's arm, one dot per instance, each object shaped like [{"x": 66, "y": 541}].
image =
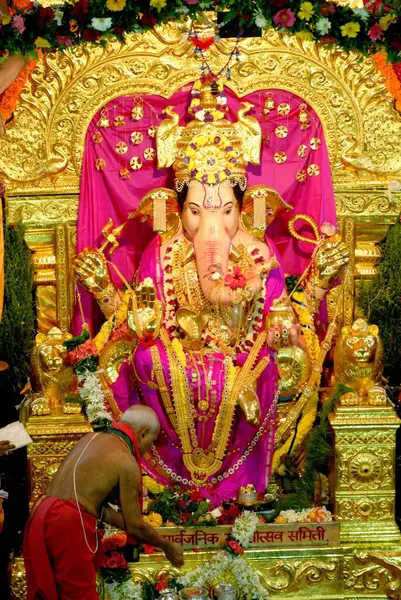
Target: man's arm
[{"x": 129, "y": 484}]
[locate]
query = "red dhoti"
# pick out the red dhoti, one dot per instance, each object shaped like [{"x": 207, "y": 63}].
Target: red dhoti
[{"x": 58, "y": 563}]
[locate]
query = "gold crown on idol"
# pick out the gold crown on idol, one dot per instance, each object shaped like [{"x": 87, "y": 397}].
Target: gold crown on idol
[{"x": 209, "y": 149}]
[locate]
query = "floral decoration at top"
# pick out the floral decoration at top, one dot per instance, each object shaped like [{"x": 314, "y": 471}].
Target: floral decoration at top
[{"x": 27, "y": 25}]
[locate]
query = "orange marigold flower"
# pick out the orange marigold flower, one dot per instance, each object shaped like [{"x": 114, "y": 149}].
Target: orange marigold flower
[{"x": 22, "y": 4}]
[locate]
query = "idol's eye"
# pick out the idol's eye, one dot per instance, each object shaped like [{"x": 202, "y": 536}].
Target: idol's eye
[
  {"x": 228, "y": 211},
  {"x": 194, "y": 211}
]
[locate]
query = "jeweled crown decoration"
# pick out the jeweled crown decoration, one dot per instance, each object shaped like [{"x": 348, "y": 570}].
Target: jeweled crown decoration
[{"x": 209, "y": 149}]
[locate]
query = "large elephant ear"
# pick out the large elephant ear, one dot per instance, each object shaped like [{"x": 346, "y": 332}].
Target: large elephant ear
[
  {"x": 260, "y": 207},
  {"x": 159, "y": 209}
]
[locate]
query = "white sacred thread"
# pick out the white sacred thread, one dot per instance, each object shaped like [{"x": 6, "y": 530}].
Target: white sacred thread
[{"x": 76, "y": 499}]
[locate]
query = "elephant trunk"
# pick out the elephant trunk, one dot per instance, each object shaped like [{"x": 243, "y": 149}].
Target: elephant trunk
[{"x": 212, "y": 250}]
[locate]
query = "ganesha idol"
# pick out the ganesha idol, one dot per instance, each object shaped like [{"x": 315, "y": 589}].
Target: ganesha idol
[{"x": 207, "y": 310}]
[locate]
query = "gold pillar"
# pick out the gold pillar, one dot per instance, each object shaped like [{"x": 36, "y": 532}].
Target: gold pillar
[
  {"x": 53, "y": 438},
  {"x": 365, "y": 473}
]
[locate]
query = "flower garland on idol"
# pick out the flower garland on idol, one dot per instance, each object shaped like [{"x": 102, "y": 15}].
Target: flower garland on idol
[
  {"x": 28, "y": 26},
  {"x": 83, "y": 355}
]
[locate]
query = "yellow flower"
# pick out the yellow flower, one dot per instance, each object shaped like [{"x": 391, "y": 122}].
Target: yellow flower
[
  {"x": 386, "y": 21},
  {"x": 195, "y": 102},
  {"x": 307, "y": 36},
  {"x": 280, "y": 519},
  {"x": 153, "y": 519},
  {"x": 6, "y": 19},
  {"x": 350, "y": 29},
  {"x": 42, "y": 43},
  {"x": 306, "y": 11},
  {"x": 151, "y": 485},
  {"x": 116, "y": 5},
  {"x": 211, "y": 179},
  {"x": 158, "y": 3}
]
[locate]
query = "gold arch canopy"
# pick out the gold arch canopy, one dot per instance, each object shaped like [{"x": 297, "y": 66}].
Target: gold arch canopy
[{"x": 40, "y": 161}]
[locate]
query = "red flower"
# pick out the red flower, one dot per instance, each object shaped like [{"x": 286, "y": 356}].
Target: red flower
[
  {"x": 118, "y": 29},
  {"x": 262, "y": 519},
  {"x": 148, "y": 20},
  {"x": 327, "y": 9},
  {"x": 114, "y": 541},
  {"x": 162, "y": 584},
  {"x": 236, "y": 279},
  {"x": 374, "y": 6},
  {"x": 396, "y": 44},
  {"x": 196, "y": 496},
  {"x": 185, "y": 516},
  {"x": 235, "y": 547},
  {"x": 46, "y": 16},
  {"x": 229, "y": 515},
  {"x": 277, "y": 3},
  {"x": 115, "y": 561},
  {"x": 195, "y": 549},
  {"x": 375, "y": 33},
  {"x": 80, "y": 9},
  {"x": 326, "y": 39},
  {"x": 91, "y": 35},
  {"x": 147, "y": 340},
  {"x": 82, "y": 351},
  {"x": 148, "y": 549}
]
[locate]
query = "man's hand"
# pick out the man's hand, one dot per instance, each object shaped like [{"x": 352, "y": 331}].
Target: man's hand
[
  {"x": 6, "y": 448},
  {"x": 90, "y": 267},
  {"x": 174, "y": 554}
]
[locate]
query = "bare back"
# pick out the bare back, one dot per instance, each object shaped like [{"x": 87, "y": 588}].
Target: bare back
[{"x": 98, "y": 471}]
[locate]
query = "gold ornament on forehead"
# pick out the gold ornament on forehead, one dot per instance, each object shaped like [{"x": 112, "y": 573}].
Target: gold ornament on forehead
[{"x": 209, "y": 148}]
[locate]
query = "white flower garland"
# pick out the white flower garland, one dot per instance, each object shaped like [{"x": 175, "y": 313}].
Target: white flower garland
[
  {"x": 91, "y": 394},
  {"x": 244, "y": 528},
  {"x": 248, "y": 580},
  {"x": 128, "y": 590}
]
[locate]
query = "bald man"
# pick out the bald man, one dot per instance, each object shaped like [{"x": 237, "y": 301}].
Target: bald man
[{"x": 61, "y": 544}]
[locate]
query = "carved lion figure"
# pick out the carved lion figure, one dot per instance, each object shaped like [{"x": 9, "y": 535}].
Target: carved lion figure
[
  {"x": 358, "y": 362},
  {"x": 52, "y": 380}
]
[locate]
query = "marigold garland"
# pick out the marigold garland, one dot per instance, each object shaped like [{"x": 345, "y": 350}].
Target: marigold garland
[
  {"x": 392, "y": 74},
  {"x": 9, "y": 98}
]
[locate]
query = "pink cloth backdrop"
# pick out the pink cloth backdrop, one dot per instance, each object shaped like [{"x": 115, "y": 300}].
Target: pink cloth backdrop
[{"x": 104, "y": 193}]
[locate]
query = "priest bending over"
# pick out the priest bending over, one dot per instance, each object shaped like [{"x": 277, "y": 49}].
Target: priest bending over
[{"x": 62, "y": 548}]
